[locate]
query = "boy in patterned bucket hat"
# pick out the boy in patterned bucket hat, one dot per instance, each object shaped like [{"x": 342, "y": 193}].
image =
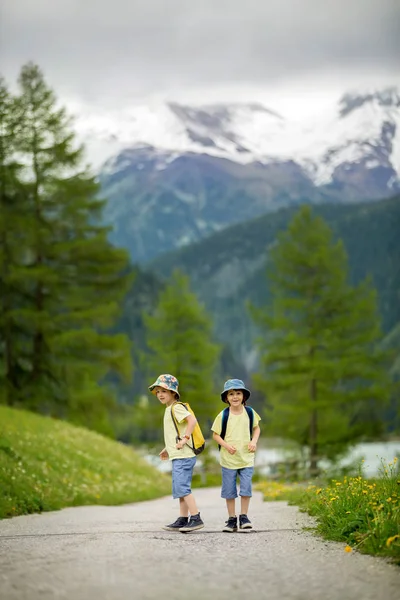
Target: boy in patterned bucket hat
[
  {"x": 236, "y": 429},
  {"x": 179, "y": 452}
]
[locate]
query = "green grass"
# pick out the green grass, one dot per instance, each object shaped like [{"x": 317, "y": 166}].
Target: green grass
[
  {"x": 46, "y": 464},
  {"x": 363, "y": 513}
]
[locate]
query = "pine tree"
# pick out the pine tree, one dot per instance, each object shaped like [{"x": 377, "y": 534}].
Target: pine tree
[
  {"x": 179, "y": 338},
  {"x": 321, "y": 369},
  {"x": 74, "y": 279},
  {"x": 13, "y": 226}
]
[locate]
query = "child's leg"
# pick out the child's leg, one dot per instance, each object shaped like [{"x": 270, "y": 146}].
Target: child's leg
[
  {"x": 183, "y": 508},
  {"x": 244, "y": 504},
  {"x": 183, "y": 472},
  {"x": 230, "y": 505},
  {"x": 190, "y": 504},
  {"x": 186, "y": 496},
  {"x": 246, "y": 476},
  {"x": 229, "y": 490}
]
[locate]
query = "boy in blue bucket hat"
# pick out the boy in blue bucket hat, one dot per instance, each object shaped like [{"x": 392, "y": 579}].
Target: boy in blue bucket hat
[
  {"x": 236, "y": 430},
  {"x": 179, "y": 452}
]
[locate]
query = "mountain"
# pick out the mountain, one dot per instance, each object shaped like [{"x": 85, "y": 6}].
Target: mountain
[
  {"x": 228, "y": 268},
  {"x": 179, "y": 173}
]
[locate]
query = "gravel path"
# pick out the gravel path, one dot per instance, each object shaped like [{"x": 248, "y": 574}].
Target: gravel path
[{"x": 120, "y": 553}]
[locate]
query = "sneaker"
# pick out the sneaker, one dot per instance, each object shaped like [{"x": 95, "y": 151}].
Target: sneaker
[
  {"x": 244, "y": 522},
  {"x": 231, "y": 525},
  {"x": 195, "y": 522},
  {"x": 180, "y": 522}
]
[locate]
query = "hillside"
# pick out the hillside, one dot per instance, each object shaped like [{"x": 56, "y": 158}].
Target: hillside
[
  {"x": 46, "y": 464},
  {"x": 228, "y": 268}
]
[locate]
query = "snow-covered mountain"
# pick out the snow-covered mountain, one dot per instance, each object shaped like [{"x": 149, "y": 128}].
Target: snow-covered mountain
[
  {"x": 360, "y": 128},
  {"x": 174, "y": 173}
]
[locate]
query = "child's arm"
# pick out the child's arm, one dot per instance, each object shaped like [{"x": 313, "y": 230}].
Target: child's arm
[
  {"x": 221, "y": 442},
  {"x": 253, "y": 443},
  {"x": 191, "y": 424}
]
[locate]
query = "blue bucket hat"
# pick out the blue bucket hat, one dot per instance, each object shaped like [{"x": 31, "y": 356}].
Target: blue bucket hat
[
  {"x": 166, "y": 381},
  {"x": 234, "y": 384}
]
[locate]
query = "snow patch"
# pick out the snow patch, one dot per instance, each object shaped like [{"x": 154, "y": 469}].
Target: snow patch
[
  {"x": 372, "y": 164},
  {"x": 246, "y": 133}
]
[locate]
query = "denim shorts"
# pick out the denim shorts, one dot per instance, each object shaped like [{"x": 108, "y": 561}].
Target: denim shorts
[
  {"x": 182, "y": 471},
  {"x": 229, "y": 477}
]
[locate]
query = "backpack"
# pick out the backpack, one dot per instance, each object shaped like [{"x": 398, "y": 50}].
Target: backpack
[
  {"x": 225, "y": 417},
  {"x": 198, "y": 442}
]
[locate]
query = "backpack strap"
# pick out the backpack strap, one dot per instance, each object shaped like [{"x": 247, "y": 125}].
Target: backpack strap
[
  {"x": 224, "y": 424},
  {"x": 250, "y": 413},
  {"x": 178, "y": 437},
  {"x": 175, "y": 421},
  {"x": 225, "y": 417}
]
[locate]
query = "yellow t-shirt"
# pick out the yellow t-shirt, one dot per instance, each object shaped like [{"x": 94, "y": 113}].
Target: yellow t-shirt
[
  {"x": 181, "y": 414},
  {"x": 238, "y": 435}
]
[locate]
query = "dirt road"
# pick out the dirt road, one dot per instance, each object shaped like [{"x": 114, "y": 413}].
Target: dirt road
[{"x": 121, "y": 553}]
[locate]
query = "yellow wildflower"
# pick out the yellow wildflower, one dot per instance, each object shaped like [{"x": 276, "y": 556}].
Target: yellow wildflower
[
  {"x": 390, "y": 540},
  {"x": 348, "y": 549}
]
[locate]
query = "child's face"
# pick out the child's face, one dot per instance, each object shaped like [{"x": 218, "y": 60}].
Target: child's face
[
  {"x": 235, "y": 397},
  {"x": 165, "y": 396}
]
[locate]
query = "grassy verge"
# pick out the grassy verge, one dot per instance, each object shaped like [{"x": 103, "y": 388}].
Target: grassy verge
[
  {"x": 363, "y": 513},
  {"x": 47, "y": 464}
]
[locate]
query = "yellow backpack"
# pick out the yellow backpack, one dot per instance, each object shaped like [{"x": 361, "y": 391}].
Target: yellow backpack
[{"x": 198, "y": 442}]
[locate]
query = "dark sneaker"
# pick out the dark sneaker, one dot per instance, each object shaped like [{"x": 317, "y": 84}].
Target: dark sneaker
[
  {"x": 244, "y": 522},
  {"x": 195, "y": 523},
  {"x": 180, "y": 522},
  {"x": 231, "y": 525}
]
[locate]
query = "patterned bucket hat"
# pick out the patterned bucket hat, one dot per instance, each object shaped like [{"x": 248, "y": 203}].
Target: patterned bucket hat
[
  {"x": 234, "y": 384},
  {"x": 166, "y": 381}
]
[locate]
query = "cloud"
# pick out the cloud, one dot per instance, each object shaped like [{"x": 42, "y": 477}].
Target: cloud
[{"x": 123, "y": 49}]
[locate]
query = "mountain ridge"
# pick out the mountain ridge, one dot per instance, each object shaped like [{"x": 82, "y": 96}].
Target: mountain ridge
[
  {"x": 251, "y": 132},
  {"x": 188, "y": 171}
]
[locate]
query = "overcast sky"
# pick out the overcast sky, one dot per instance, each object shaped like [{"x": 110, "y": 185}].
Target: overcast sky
[{"x": 112, "y": 53}]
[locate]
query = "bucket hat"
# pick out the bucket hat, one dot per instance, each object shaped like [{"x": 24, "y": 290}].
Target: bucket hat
[
  {"x": 234, "y": 384},
  {"x": 166, "y": 381}
]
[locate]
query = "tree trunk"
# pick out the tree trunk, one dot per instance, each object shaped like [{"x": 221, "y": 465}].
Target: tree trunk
[
  {"x": 313, "y": 434},
  {"x": 5, "y": 309},
  {"x": 37, "y": 358},
  {"x": 313, "y": 427}
]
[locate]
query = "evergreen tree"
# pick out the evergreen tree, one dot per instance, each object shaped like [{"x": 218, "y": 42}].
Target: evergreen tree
[
  {"x": 13, "y": 221},
  {"x": 74, "y": 279},
  {"x": 322, "y": 371},
  {"x": 179, "y": 338}
]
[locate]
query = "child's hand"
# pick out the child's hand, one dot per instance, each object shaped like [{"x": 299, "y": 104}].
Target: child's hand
[
  {"x": 180, "y": 444},
  {"x": 252, "y": 446},
  {"x": 164, "y": 455},
  {"x": 231, "y": 449}
]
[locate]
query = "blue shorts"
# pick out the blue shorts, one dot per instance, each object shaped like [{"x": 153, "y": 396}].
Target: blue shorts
[
  {"x": 182, "y": 471},
  {"x": 229, "y": 477}
]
